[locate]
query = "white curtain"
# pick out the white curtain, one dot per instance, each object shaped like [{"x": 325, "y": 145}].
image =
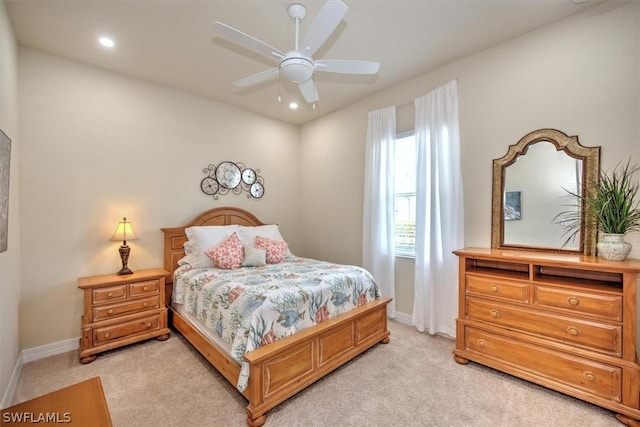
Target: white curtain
[
  {"x": 439, "y": 211},
  {"x": 378, "y": 216}
]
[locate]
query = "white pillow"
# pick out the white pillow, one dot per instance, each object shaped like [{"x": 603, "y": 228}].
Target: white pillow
[
  {"x": 270, "y": 231},
  {"x": 203, "y": 238},
  {"x": 254, "y": 257}
]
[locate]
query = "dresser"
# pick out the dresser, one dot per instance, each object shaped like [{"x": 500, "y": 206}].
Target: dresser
[
  {"x": 121, "y": 310},
  {"x": 564, "y": 321}
]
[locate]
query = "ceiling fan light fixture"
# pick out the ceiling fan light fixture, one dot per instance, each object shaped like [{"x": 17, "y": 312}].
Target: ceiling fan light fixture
[{"x": 297, "y": 70}]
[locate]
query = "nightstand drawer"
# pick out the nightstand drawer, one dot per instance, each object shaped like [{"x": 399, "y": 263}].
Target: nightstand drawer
[
  {"x": 141, "y": 288},
  {"x": 126, "y": 329},
  {"x": 112, "y": 293},
  {"x": 134, "y": 306}
]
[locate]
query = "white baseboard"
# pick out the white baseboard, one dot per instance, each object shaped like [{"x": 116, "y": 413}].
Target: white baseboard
[
  {"x": 403, "y": 318},
  {"x": 40, "y": 352},
  {"x": 30, "y": 355},
  {"x": 10, "y": 392}
]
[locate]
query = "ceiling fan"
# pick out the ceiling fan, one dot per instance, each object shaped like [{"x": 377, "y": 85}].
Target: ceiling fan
[{"x": 297, "y": 65}]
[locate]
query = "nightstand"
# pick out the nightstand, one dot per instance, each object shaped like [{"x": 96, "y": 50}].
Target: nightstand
[{"x": 121, "y": 310}]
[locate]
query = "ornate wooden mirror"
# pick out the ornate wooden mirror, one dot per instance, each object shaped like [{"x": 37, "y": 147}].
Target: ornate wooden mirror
[{"x": 530, "y": 186}]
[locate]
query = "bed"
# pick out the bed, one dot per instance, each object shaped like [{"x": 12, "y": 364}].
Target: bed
[{"x": 282, "y": 368}]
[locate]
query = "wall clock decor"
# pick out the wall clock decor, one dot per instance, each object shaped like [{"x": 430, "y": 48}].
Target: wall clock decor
[{"x": 232, "y": 177}]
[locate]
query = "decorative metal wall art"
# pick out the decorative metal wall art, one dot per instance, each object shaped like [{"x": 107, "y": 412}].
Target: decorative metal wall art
[{"x": 232, "y": 177}]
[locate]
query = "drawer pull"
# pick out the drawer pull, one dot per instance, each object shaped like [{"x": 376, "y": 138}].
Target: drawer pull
[
  {"x": 588, "y": 375},
  {"x": 573, "y": 301},
  {"x": 493, "y": 288},
  {"x": 573, "y": 331},
  {"x": 107, "y": 334},
  {"x": 145, "y": 304},
  {"x": 146, "y": 288},
  {"x": 494, "y": 313},
  {"x": 148, "y": 324},
  {"x": 482, "y": 343},
  {"x": 110, "y": 294},
  {"x": 110, "y": 311}
]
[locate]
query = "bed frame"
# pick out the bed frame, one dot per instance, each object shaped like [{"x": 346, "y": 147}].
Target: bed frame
[{"x": 283, "y": 368}]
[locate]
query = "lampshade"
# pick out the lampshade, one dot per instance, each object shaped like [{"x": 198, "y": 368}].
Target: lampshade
[{"x": 124, "y": 231}]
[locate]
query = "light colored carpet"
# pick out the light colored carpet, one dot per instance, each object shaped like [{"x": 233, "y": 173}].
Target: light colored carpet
[{"x": 412, "y": 381}]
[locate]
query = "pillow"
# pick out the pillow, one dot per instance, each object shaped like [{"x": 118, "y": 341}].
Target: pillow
[
  {"x": 276, "y": 250},
  {"x": 203, "y": 238},
  {"x": 228, "y": 254},
  {"x": 270, "y": 231},
  {"x": 254, "y": 257}
]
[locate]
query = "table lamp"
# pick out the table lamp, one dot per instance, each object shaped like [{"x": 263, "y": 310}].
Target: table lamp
[{"x": 124, "y": 232}]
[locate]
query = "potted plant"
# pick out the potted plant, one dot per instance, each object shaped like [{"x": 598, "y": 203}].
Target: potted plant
[{"x": 613, "y": 207}]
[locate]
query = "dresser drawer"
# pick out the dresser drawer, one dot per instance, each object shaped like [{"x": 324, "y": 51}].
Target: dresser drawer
[
  {"x": 596, "y": 336},
  {"x": 142, "y": 288},
  {"x": 507, "y": 290},
  {"x": 111, "y": 333},
  {"x": 583, "y": 374},
  {"x": 111, "y": 293},
  {"x": 601, "y": 305},
  {"x": 133, "y": 306}
]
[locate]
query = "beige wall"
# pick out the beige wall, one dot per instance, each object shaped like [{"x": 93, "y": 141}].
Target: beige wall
[
  {"x": 99, "y": 146},
  {"x": 579, "y": 75},
  {"x": 9, "y": 260}
]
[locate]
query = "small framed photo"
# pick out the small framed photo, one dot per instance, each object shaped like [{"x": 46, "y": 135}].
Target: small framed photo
[{"x": 512, "y": 206}]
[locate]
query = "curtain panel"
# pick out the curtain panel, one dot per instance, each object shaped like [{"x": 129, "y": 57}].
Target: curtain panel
[
  {"x": 439, "y": 211},
  {"x": 378, "y": 214}
]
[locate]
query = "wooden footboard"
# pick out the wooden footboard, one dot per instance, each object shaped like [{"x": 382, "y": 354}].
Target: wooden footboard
[{"x": 283, "y": 368}]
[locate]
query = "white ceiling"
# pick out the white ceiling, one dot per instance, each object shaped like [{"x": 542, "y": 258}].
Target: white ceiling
[{"x": 170, "y": 41}]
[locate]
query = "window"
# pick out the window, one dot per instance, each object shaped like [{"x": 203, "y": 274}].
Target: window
[{"x": 405, "y": 195}]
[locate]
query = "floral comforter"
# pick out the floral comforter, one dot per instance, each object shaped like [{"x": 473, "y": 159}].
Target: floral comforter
[{"x": 254, "y": 306}]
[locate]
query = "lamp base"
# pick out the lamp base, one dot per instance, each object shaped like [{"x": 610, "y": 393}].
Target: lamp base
[
  {"x": 124, "y": 270},
  {"x": 124, "y": 257}
]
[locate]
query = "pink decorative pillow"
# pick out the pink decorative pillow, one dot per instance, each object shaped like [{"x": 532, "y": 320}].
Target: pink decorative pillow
[
  {"x": 228, "y": 254},
  {"x": 276, "y": 250}
]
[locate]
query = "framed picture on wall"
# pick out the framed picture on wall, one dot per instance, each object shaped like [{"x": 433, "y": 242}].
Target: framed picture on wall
[
  {"x": 512, "y": 206},
  {"x": 5, "y": 163}
]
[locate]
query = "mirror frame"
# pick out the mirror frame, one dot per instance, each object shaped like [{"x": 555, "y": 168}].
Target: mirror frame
[{"x": 590, "y": 173}]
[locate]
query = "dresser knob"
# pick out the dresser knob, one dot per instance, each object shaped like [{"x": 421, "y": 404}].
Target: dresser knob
[
  {"x": 145, "y": 304},
  {"x": 110, "y": 311},
  {"x": 482, "y": 343},
  {"x": 493, "y": 288},
  {"x": 573, "y": 301},
  {"x": 494, "y": 313},
  {"x": 110, "y": 294},
  {"x": 146, "y": 288},
  {"x": 588, "y": 375},
  {"x": 573, "y": 331},
  {"x": 148, "y": 324},
  {"x": 107, "y": 334}
]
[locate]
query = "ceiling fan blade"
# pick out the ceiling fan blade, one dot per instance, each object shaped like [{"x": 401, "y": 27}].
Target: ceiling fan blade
[
  {"x": 309, "y": 91},
  {"x": 346, "y": 66},
  {"x": 257, "y": 78},
  {"x": 322, "y": 26},
  {"x": 245, "y": 40}
]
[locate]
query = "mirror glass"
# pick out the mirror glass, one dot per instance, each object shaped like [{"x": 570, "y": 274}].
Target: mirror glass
[
  {"x": 531, "y": 187},
  {"x": 534, "y": 194}
]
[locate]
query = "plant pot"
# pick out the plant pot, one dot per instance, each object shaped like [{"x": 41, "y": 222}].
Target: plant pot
[{"x": 613, "y": 247}]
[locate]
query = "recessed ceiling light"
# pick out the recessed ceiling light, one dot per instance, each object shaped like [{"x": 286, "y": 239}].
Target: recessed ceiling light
[
  {"x": 293, "y": 105},
  {"x": 106, "y": 41}
]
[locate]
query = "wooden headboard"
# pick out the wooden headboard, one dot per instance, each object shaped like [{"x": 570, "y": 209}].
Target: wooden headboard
[{"x": 174, "y": 238}]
